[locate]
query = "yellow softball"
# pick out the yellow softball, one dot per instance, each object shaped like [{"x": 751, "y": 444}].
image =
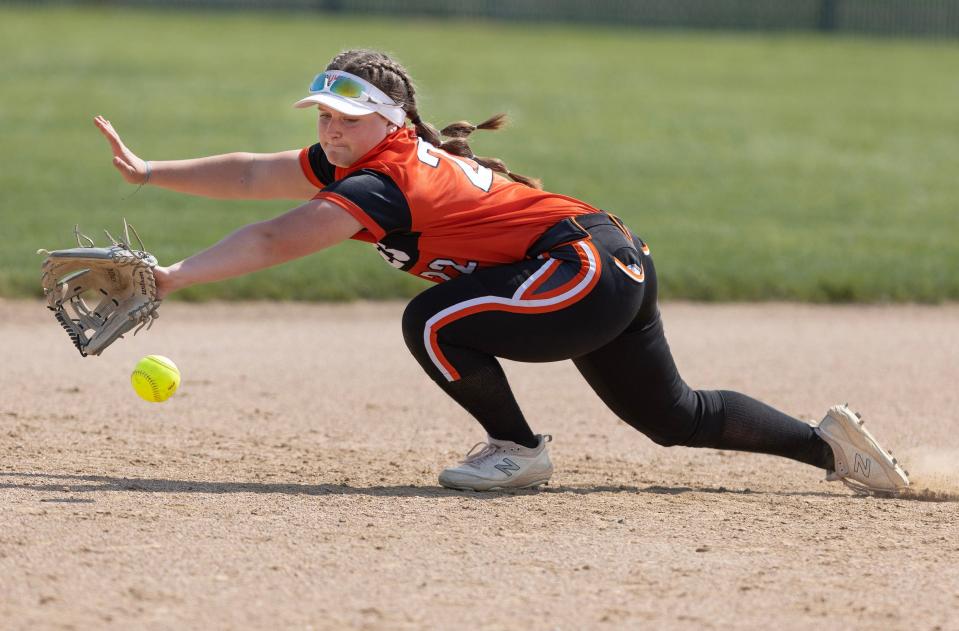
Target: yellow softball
[{"x": 155, "y": 378}]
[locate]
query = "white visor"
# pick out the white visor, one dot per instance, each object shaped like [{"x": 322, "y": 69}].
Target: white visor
[{"x": 351, "y": 95}]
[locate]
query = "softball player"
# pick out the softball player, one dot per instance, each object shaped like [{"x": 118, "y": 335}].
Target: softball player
[{"x": 520, "y": 273}]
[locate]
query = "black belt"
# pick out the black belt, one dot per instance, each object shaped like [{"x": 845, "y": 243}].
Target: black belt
[{"x": 572, "y": 229}]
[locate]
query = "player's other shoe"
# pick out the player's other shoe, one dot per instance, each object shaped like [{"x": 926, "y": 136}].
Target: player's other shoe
[
  {"x": 501, "y": 464},
  {"x": 861, "y": 462}
]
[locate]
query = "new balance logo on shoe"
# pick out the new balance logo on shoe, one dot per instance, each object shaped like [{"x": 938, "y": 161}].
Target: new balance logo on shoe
[
  {"x": 862, "y": 465},
  {"x": 507, "y": 466}
]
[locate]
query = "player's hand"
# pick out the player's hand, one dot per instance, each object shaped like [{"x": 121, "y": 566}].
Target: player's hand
[{"x": 131, "y": 167}]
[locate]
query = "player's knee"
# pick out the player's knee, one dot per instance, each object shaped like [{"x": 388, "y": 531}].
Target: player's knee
[
  {"x": 665, "y": 440},
  {"x": 667, "y": 425},
  {"x": 415, "y": 316},
  {"x": 695, "y": 420},
  {"x": 673, "y": 435}
]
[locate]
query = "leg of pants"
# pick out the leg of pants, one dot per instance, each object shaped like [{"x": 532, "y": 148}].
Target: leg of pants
[{"x": 635, "y": 376}]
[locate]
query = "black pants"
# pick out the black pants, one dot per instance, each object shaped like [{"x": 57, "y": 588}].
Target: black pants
[{"x": 587, "y": 293}]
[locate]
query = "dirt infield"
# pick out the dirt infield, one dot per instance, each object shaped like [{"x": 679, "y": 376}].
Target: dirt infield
[{"x": 291, "y": 483}]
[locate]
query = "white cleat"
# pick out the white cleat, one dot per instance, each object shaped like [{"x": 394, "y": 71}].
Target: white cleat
[
  {"x": 861, "y": 463},
  {"x": 501, "y": 464}
]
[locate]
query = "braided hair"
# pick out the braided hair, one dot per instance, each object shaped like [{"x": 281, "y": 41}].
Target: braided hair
[{"x": 392, "y": 78}]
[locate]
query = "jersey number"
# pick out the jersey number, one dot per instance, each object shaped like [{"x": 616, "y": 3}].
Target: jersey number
[
  {"x": 481, "y": 177},
  {"x": 439, "y": 267}
]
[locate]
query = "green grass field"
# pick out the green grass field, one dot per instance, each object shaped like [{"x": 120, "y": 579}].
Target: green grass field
[{"x": 757, "y": 166}]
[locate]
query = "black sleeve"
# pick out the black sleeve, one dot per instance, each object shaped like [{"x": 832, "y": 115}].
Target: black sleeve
[
  {"x": 324, "y": 171},
  {"x": 378, "y": 196}
]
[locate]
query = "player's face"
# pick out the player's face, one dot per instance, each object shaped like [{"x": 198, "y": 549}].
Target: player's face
[{"x": 345, "y": 139}]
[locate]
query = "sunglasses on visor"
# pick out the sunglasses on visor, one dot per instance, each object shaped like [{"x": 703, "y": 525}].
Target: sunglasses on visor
[{"x": 347, "y": 87}]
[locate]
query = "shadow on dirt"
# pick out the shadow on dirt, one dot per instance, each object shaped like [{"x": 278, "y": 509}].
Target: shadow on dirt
[{"x": 67, "y": 483}]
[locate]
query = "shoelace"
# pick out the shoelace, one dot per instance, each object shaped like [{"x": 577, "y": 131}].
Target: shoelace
[{"x": 489, "y": 449}]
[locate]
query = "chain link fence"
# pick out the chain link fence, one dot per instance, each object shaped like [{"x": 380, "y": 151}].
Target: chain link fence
[{"x": 919, "y": 18}]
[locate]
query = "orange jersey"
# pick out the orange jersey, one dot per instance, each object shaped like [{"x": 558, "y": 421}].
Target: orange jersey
[{"x": 433, "y": 214}]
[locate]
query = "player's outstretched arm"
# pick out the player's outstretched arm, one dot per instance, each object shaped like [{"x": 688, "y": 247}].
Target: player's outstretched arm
[
  {"x": 227, "y": 176},
  {"x": 315, "y": 225}
]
